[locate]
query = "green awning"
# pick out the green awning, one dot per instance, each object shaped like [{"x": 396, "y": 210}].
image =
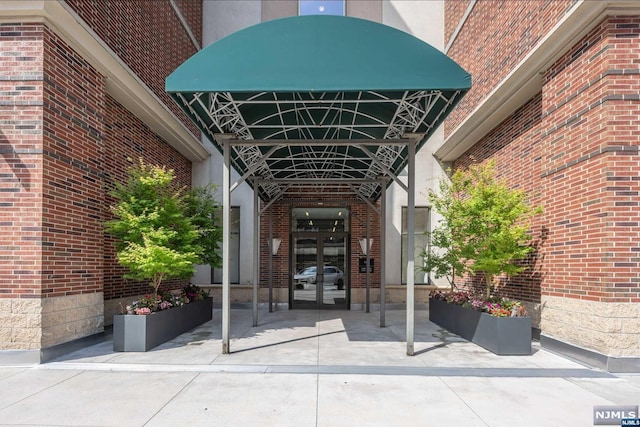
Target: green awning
[{"x": 319, "y": 78}]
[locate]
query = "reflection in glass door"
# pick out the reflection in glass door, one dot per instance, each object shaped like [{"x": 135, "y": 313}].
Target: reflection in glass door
[
  {"x": 333, "y": 258},
  {"x": 305, "y": 260},
  {"x": 319, "y": 279}
]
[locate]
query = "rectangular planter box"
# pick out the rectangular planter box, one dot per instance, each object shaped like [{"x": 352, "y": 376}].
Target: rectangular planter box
[
  {"x": 500, "y": 335},
  {"x": 142, "y": 333}
]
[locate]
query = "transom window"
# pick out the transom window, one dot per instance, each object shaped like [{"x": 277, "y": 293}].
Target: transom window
[
  {"x": 321, "y": 7},
  {"x": 332, "y": 220}
]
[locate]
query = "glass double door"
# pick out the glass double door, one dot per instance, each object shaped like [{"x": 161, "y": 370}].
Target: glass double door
[{"x": 319, "y": 270}]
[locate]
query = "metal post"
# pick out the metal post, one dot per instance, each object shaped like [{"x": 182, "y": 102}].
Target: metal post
[
  {"x": 368, "y": 254},
  {"x": 226, "y": 237},
  {"x": 270, "y": 259},
  {"x": 256, "y": 251},
  {"x": 411, "y": 202},
  {"x": 383, "y": 220}
]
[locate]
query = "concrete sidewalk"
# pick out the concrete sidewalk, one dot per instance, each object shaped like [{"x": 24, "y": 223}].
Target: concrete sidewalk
[{"x": 310, "y": 368}]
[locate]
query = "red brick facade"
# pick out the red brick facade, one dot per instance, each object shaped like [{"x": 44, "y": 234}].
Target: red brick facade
[
  {"x": 148, "y": 37},
  {"x": 72, "y": 166},
  {"x": 21, "y": 145},
  {"x": 575, "y": 145},
  {"x": 496, "y": 37},
  {"x": 64, "y": 141}
]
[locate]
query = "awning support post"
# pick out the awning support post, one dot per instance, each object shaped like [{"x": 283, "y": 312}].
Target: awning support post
[
  {"x": 226, "y": 237},
  {"x": 256, "y": 251},
  {"x": 383, "y": 220},
  {"x": 411, "y": 202}
]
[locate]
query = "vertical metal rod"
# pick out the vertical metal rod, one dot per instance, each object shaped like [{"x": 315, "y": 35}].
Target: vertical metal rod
[
  {"x": 256, "y": 251},
  {"x": 270, "y": 259},
  {"x": 383, "y": 221},
  {"x": 368, "y": 254},
  {"x": 226, "y": 237},
  {"x": 411, "y": 202}
]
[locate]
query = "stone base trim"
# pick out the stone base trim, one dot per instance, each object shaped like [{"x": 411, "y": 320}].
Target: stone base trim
[
  {"x": 609, "y": 328},
  {"x": 70, "y": 317},
  {"x": 34, "y": 357},
  {"x": 20, "y": 324},
  {"x": 592, "y": 358}
]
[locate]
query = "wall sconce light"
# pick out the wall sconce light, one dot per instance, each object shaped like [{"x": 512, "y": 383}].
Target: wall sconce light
[
  {"x": 275, "y": 245},
  {"x": 363, "y": 245}
]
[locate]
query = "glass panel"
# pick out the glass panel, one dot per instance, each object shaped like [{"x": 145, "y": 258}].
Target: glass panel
[
  {"x": 332, "y": 220},
  {"x": 334, "y": 257},
  {"x": 421, "y": 241},
  {"x": 305, "y": 259},
  {"x": 234, "y": 246}
]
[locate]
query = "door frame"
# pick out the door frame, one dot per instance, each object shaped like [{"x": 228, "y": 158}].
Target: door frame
[{"x": 320, "y": 236}]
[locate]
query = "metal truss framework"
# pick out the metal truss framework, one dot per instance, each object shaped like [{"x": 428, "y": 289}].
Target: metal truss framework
[
  {"x": 329, "y": 145},
  {"x": 294, "y": 140}
]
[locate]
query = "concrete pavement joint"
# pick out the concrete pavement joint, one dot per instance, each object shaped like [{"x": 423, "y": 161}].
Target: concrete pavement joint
[
  {"x": 336, "y": 370},
  {"x": 39, "y": 391},
  {"x": 170, "y": 400},
  {"x": 463, "y": 401}
]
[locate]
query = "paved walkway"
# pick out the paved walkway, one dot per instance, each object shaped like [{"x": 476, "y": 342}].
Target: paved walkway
[{"x": 310, "y": 368}]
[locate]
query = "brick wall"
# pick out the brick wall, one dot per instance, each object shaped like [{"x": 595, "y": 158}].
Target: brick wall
[
  {"x": 148, "y": 37},
  {"x": 63, "y": 144},
  {"x": 453, "y": 11},
  {"x": 497, "y": 35},
  {"x": 192, "y": 12},
  {"x": 576, "y": 150},
  {"x": 20, "y": 159},
  {"x": 72, "y": 166},
  {"x": 592, "y": 168}
]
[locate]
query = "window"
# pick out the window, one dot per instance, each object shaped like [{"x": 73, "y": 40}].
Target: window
[
  {"x": 321, "y": 7},
  {"x": 234, "y": 247},
  {"x": 421, "y": 239},
  {"x": 332, "y": 220}
]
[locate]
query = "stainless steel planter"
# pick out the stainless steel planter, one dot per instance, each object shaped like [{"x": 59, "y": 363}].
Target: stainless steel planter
[{"x": 142, "y": 333}]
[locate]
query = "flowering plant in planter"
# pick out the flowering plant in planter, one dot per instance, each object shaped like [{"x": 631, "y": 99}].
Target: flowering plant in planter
[
  {"x": 151, "y": 303},
  {"x": 495, "y": 306},
  {"x": 194, "y": 293}
]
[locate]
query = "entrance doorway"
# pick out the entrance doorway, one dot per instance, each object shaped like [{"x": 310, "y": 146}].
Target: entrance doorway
[{"x": 319, "y": 258}]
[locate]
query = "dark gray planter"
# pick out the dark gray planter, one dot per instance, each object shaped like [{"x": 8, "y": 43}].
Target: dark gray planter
[
  {"x": 142, "y": 333},
  {"x": 500, "y": 335}
]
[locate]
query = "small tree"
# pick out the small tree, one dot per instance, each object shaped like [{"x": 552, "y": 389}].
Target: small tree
[
  {"x": 156, "y": 239},
  {"x": 484, "y": 226}
]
